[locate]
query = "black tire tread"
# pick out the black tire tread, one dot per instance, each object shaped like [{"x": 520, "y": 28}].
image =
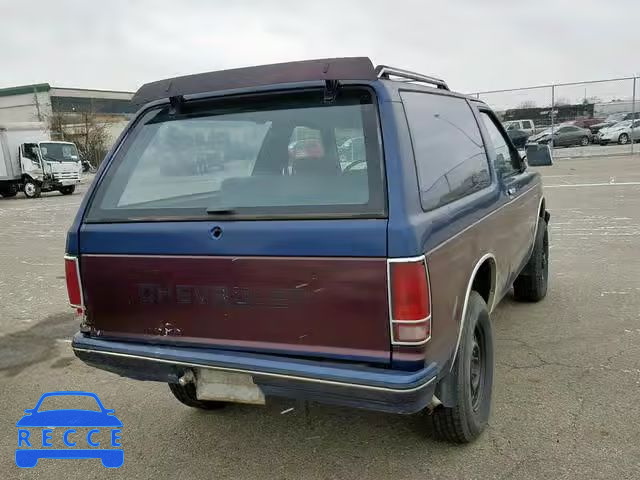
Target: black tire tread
[
  {"x": 458, "y": 424},
  {"x": 187, "y": 396},
  {"x": 38, "y": 191},
  {"x": 447, "y": 424},
  {"x": 531, "y": 285}
]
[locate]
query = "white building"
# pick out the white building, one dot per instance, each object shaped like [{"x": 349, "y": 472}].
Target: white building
[{"x": 39, "y": 102}]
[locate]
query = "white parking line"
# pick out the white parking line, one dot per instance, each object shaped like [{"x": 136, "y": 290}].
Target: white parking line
[{"x": 620, "y": 184}]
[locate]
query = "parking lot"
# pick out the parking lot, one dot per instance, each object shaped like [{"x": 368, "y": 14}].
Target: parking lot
[{"x": 566, "y": 390}]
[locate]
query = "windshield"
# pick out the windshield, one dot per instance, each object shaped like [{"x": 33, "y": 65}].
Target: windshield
[
  {"x": 285, "y": 156},
  {"x": 61, "y": 152}
]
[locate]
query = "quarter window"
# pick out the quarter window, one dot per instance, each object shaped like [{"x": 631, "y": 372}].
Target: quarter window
[{"x": 448, "y": 150}]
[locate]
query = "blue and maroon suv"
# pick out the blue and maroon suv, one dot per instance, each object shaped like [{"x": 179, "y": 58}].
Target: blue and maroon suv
[{"x": 360, "y": 271}]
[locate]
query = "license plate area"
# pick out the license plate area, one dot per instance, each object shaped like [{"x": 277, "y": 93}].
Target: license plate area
[{"x": 224, "y": 386}]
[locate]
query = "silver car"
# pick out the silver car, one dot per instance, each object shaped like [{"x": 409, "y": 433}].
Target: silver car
[{"x": 621, "y": 132}]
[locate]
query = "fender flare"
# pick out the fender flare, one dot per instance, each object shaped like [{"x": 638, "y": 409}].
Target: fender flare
[{"x": 445, "y": 389}]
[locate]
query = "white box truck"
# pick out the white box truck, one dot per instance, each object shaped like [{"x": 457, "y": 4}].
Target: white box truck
[{"x": 31, "y": 163}]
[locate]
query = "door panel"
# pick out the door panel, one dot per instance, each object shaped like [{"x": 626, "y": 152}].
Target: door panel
[
  {"x": 516, "y": 188},
  {"x": 522, "y": 192}
]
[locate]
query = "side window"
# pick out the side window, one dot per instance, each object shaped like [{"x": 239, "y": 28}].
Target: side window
[
  {"x": 30, "y": 150},
  {"x": 351, "y": 151},
  {"x": 504, "y": 162},
  {"x": 449, "y": 154},
  {"x": 563, "y": 130},
  {"x": 528, "y": 124}
]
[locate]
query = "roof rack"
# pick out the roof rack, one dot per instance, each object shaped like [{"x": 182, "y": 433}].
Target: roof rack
[
  {"x": 384, "y": 71},
  {"x": 329, "y": 70}
]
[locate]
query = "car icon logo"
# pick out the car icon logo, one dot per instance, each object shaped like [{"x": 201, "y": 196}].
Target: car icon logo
[{"x": 69, "y": 433}]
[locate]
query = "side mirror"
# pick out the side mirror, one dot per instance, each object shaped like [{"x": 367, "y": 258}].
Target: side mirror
[{"x": 538, "y": 155}]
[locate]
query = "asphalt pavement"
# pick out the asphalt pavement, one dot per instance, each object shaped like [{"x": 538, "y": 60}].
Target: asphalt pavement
[{"x": 565, "y": 403}]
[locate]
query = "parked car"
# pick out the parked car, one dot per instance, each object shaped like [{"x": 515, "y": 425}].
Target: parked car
[
  {"x": 563, "y": 136},
  {"x": 612, "y": 119},
  {"x": 315, "y": 283},
  {"x": 524, "y": 125},
  {"x": 518, "y": 137},
  {"x": 585, "y": 122},
  {"x": 622, "y": 133}
]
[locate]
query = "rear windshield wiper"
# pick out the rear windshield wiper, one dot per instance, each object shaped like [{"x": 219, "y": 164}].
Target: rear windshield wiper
[{"x": 220, "y": 211}]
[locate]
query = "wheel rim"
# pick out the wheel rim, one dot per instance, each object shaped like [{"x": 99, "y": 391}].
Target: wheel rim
[
  {"x": 477, "y": 369},
  {"x": 30, "y": 189},
  {"x": 585, "y": 141},
  {"x": 624, "y": 139}
]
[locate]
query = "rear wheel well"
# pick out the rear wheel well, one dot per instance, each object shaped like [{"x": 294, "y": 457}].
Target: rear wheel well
[{"x": 483, "y": 282}]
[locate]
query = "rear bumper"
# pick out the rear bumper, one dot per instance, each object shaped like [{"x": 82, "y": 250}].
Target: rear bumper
[{"x": 328, "y": 382}]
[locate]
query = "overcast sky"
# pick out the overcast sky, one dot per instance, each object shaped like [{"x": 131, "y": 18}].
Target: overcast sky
[{"x": 473, "y": 44}]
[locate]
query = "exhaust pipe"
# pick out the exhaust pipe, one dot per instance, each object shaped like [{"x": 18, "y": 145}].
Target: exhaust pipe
[{"x": 187, "y": 378}]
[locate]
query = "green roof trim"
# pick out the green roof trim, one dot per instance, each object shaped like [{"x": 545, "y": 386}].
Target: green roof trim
[{"x": 21, "y": 90}]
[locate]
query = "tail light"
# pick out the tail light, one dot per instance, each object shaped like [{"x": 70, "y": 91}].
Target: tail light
[
  {"x": 409, "y": 301},
  {"x": 74, "y": 286}
]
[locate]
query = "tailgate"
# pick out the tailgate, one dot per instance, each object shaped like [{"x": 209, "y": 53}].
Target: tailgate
[
  {"x": 217, "y": 294},
  {"x": 244, "y": 223}
]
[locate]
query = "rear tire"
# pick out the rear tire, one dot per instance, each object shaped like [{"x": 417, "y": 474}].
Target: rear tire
[
  {"x": 584, "y": 141},
  {"x": 31, "y": 189},
  {"x": 68, "y": 190},
  {"x": 187, "y": 396},
  {"x": 472, "y": 379},
  {"x": 623, "y": 139},
  {"x": 531, "y": 285}
]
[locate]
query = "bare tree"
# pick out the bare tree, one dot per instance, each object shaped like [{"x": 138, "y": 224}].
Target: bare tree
[
  {"x": 93, "y": 138},
  {"x": 84, "y": 129},
  {"x": 527, "y": 104},
  {"x": 562, "y": 101},
  {"x": 57, "y": 126}
]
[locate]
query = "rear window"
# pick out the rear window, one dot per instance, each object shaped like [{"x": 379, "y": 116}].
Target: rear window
[{"x": 266, "y": 157}]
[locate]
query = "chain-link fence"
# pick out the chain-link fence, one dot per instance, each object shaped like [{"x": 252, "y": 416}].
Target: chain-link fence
[{"x": 595, "y": 118}]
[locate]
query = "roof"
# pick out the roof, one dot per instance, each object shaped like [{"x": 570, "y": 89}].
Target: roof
[
  {"x": 93, "y": 90},
  {"x": 21, "y": 90},
  {"x": 348, "y": 68},
  {"x": 62, "y": 91}
]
